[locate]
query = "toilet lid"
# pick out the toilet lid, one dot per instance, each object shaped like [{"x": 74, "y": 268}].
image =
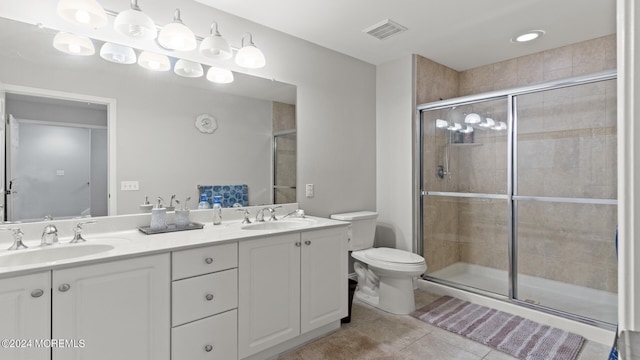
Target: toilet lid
[{"x": 394, "y": 255}]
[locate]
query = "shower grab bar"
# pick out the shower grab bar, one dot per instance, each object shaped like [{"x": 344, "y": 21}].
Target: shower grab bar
[{"x": 566, "y": 200}]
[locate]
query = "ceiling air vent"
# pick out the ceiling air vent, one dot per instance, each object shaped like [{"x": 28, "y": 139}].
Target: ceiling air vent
[{"x": 384, "y": 29}]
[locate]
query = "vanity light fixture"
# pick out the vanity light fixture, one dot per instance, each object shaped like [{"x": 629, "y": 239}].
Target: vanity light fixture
[
  {"x": 189, "y": 69},
  {"x": 468, "y": 130},
  {"x": 73, "y": 44},
  {"x": 500, "y": 126},
  {"x": 219, "y": 76},
  {"x": 472, "y": 118},
  {"x": 488, "y": 123},
  {"x": 135, "y": 24},
  {"x": 215, "y": 46},
  {"x": 454, "y": 127},
  {"x": 441, "y": 123},
  {"x": 82, "y": 12},
  {"x": 118, "y": 54},
  {"x": 250, "y": 56},
  {"x": 153, "y": 61},
  {"x": 528, "y": 36},
  {"x": 176, "y": 35}
]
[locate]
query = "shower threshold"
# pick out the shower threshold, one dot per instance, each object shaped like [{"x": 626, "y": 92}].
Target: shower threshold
[{"x": 579, "y": 300}]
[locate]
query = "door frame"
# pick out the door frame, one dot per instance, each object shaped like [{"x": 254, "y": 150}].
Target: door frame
[{"x": 110, "y": 103}]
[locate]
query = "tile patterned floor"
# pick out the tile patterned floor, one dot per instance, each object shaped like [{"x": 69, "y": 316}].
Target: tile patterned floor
[{"x": 374, "y": 334}]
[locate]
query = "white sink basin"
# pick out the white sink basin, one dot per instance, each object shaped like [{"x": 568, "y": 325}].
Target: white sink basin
[
  {"x": 52, "y": 253},
  {"x": 289, "y": 224}
]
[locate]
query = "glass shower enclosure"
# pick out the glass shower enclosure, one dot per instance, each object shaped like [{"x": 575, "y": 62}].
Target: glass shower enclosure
[{"x": 518, "y": 195}]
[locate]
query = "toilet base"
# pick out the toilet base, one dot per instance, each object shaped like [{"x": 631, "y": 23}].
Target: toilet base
[{"x": 395, "y": 296}]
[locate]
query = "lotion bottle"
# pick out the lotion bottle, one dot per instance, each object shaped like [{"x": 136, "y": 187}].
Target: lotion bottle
[{"x": 217, "y": 210}]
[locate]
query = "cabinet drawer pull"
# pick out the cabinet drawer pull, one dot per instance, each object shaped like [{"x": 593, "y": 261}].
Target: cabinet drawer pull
[
  {"x": 308, "y": 242},
  {"x": 208, "y": 348},
  {"x": 209, "y": 297},
  {"x": 298, "y": 243},
  {"x": 208, "y": 260},
  {"x": 37, "y": 293},
  {"x": 64, "y": 287}
]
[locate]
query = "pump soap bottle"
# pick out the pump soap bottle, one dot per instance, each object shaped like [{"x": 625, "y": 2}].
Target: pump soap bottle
[
  {"x": 217, "y": 210},
  {"x": 203, "y": 204},
  {"x": 158, "y": 217}
]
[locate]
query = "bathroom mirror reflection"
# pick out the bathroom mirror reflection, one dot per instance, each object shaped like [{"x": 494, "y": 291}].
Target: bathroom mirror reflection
[{"x": 150, "y": 123}]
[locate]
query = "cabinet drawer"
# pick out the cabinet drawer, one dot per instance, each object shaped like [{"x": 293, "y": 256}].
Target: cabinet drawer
[
  {"x": 213, "y": 338},
  {"x": 203, "y": 296},
  {"x": 204, "y": 260}
]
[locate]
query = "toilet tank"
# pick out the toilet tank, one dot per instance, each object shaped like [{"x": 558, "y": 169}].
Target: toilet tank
[{"x": 363, "y": 228}]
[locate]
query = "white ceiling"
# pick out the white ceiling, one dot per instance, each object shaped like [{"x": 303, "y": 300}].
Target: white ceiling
[{"x": 461, "y": 34}]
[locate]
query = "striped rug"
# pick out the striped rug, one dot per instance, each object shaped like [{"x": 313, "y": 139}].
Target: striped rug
[{"x": 511, "y": 334}]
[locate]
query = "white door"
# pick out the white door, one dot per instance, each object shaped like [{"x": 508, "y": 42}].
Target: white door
[
  {"x": 323, "y": 277},
  {"x": 120, "y": 309},
  {"x": 49, "y": 170},
  {"x": 25, "y": 303},
  {"x": 268, "y": 292},
  {"x": 3, "y": 116}
]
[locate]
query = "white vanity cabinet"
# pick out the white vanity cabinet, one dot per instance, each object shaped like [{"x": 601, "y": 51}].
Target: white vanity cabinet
[
  {"x": 25, "y": 313},
  {"x": 204, "y": 303},
  {"x": 119, "y": 309},
  {"x": 103, "y": 311},
  {"x": 290, "y": 284}
]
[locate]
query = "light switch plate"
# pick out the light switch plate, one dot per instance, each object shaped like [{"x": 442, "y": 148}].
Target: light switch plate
[{"x": 129, "y": 186}]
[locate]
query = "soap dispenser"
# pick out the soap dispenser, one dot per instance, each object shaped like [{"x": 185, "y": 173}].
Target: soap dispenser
[
  {"x": 203, "y": 204},
  {"x": 217, "y": 210},
  {"x": 158, "y": 217}
]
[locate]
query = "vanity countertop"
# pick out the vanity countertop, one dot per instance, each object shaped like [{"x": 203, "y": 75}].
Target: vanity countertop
[{"x": 133, "y": 243}]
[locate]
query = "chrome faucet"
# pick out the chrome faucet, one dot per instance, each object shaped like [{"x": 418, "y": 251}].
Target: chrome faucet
[
  {"x": 49, "y": 234},
  {"x": 272, "y": 212},
  {"x": 77, "y": 232},
  {"x": 17, "y": 239}
]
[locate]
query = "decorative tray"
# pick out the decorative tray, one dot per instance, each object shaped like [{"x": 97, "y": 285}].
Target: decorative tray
[{"x": 171, "y": 228}]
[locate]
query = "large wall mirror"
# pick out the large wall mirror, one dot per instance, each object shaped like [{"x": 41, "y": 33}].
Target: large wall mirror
[{"x": 101, "y": 129}]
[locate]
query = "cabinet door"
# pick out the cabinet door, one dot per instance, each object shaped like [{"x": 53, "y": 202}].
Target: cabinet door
[
  {"x": 269, "y": 292},
  {"x": 25, "y": 313},
  {"x": 114, "y": 310},
  {"x": 324, "y": 277}
]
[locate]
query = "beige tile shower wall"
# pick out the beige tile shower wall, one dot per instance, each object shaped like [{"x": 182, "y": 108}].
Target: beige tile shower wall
[
  {"x": 567, "y": 148},
  {"x": 440, "y": 226},
  {"x": 284, "y": 118}
]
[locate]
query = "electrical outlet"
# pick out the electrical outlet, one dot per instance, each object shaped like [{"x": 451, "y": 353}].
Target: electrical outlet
[
  {"x": 129, "y": 186},
  {"x": 309, "y": 190}
]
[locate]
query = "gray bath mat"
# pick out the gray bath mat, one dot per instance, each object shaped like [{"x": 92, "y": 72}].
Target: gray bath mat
[{"x": 511, "y": 334}]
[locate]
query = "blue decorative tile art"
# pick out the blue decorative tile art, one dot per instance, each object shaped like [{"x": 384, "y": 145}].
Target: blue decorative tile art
[{"x": 229, "y": 194}]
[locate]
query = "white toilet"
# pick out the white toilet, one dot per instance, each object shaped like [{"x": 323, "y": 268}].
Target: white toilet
[{"x": 385, "y": 275}]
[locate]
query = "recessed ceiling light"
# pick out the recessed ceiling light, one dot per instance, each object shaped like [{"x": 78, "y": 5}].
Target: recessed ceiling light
[{"x": 528, "y": 36}]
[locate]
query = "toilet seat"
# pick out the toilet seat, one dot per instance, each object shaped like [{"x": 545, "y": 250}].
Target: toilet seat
[
  {"x": 394, "y": 256},
  {"x": 391, "y": 259}
]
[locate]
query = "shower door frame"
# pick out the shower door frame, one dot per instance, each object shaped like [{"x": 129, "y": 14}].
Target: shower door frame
[{"x": 512, "y": 200}]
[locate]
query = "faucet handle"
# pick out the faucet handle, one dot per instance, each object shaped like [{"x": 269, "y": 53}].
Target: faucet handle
[
  {"x": 246, "y": 216},
  {"x": 272, "y": 212},
  {"x": 77, "y": 231},
  {"x": 17, "y": 239}
]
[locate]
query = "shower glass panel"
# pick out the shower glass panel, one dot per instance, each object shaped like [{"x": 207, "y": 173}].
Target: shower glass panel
[
  {"x": 565, "y": 196},
  {"x": 519, "y": 198},
  {"x": 465, "y": 182},
  {"x": 284, "y": 176}
]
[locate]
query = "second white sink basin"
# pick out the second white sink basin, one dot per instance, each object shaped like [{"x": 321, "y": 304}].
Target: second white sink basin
[{"x": 49, "y": 254}]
